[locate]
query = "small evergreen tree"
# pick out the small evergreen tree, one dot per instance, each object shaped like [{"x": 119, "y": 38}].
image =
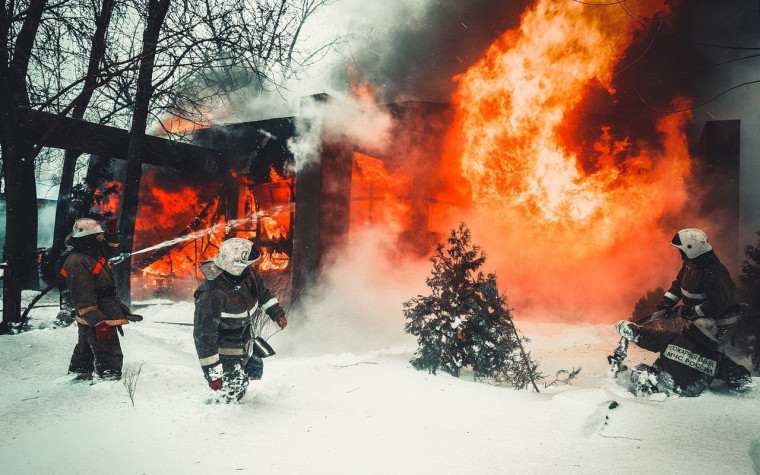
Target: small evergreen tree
[{"x": 465, "y": 321}]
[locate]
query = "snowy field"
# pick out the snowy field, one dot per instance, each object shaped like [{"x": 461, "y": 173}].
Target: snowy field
[{"x": 342, "y": 398}]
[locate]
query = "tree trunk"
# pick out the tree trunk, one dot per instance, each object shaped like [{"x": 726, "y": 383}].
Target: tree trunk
[
  {"x": 63, "y": 212},
  {"x": 20, "y": 250},
  {"x": 157, "y": 10}
]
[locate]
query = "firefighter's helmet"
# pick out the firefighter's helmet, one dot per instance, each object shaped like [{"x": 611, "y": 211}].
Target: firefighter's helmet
[
  {"x": 235, "y": 254},
  {"x": 692, "y": 241},
  {"x": 85, "y": 227}
]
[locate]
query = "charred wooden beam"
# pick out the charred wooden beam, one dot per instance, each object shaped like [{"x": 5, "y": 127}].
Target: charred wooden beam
[{"x": 50, "y": 130}]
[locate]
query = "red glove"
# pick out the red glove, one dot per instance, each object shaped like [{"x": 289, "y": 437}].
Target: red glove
[
  {"x": 103, "y": 331},
  {"x": 281, "y": 322},
  {"x": 216, "y": 384}
]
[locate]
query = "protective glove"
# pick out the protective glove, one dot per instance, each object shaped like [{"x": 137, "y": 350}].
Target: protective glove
[
  {"x": 687, "y": 312},
  {"x": 281, "y": 321},
  {"x": 103, "y": 331},
  {"x": 214, "y": 376},
  {"x": 627, "y": 330}
]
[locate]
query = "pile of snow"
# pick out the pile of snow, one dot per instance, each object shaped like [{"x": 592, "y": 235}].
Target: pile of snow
[{"x": 352, "y": 411}]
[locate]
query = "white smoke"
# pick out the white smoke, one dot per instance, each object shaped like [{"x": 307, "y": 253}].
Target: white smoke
[
  {"x": 357, "y": 304},
  {"x": 359, "y": 123}
]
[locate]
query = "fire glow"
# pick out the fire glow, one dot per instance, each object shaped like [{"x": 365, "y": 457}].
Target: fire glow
[
  {"x": 189, "y": 221},
  {"x": 575, "y": 234},
  {"x": 376, "y": 197},
  {"x": 573, "y": 231}
]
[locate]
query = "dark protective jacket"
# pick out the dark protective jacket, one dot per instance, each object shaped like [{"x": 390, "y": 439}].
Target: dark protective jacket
[
  {"x": 91, "y": 285},
  {"x": 225, "y": 311},
  {"x": 108, "y": 249},
  {"x": 705, "y": 284}
]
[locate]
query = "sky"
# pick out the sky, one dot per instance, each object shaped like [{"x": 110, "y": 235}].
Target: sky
[{"x": 340, "y": 397}]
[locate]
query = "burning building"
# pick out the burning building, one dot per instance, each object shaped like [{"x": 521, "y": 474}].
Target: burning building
[
  {"x": 297, "y": 214},
  {"x": 548, "y": 148}
]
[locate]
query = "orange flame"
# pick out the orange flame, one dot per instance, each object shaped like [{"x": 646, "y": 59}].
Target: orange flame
[
  {"x": 186, "y": 207},
  {"x": 273, "y": 260},
  {"x": 363, "y": 92},
  {"x": 571, "y": 241},
  {"x": 172, "y": 124},
  {"x": 377, "y": 196}
]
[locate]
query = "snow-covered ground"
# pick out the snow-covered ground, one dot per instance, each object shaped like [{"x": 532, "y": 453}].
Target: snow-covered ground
[{"x": 335, "y": 402}]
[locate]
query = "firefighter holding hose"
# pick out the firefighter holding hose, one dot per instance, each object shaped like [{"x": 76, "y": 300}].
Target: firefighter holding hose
[{"x": 99, "y": 312}]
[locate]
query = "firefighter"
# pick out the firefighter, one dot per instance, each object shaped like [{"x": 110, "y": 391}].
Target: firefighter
[
  {"x": 703, "y": 284},
  {"x": 227, "y": 304},
  {"x": 98, "y": 310},
  {"x": 107, "y": 221},
  {"x": 693, "y": 355}
]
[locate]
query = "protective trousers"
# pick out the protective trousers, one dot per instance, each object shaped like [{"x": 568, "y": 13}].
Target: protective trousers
[
  {"x": 91, "y": 354},
  {"x": 237, "y": 374}
]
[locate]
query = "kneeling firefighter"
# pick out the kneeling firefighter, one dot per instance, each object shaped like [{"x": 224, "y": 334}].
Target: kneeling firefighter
[
  {"x": 694, "y": 355},
  {"x": 227, "y": 305}
]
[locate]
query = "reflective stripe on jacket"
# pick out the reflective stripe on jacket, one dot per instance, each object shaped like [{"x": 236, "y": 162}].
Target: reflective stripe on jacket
[
  {"x": 224, "y": 313},
  {"x": 705, "y": 284}
]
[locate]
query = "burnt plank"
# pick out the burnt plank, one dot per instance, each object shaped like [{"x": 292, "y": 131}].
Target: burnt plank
[{"x": 66, "y": 133}]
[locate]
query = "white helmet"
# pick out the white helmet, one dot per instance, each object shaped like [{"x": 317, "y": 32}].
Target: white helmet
[
  {"x": 692, "y": 241},
  {"x": 85, "y": 227},
  {"x": 234, "y": 255}
]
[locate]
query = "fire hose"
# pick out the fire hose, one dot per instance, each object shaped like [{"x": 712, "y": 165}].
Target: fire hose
[{"x": 120, "y": 258}]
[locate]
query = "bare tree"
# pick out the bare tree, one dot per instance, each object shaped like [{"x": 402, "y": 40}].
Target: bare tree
[
  {"x": 157, "y": 10},
  {"x": 39, "y": 59},
  {"x": 18, "y": 162},
  {"x": 207, "y": 51},
  {"x": 55, "y": 58},
  {"x": 63, "y": 217}
]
